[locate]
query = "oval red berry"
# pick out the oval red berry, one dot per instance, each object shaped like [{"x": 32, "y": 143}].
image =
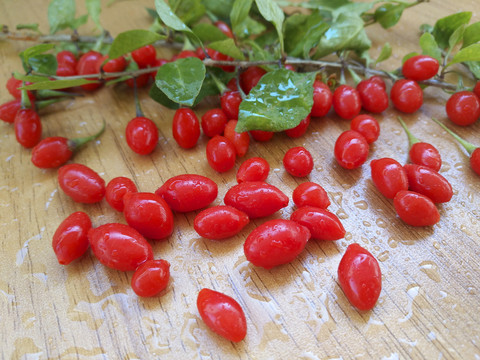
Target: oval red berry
[
  {"x": 220, "y": 222},
  {"x": 81, "y": 183},
  {"x": 70, "y": 240}
]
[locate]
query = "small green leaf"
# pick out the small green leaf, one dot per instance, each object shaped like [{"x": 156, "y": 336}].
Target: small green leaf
[
  {"x": 152, "y": 12},
  {"x": 219, "y": 8},
  {"x": 274, "y": 14},
  {"x": 474, "y": 67},
  {"x": 456, "y": 36},
  {"x": 160, "y": 97},
  {"x": 30, "y": 78},
  {"x": 426, "y": 28},
  {"x": 33, "y": 51},
  {"x": 385, "y": 53},
  {"x": 208, "y": 33},
  {"x": 33, "y": 27},
  {"x": 280, "y": 101},
  {"x": 352, "y": 8},
  {"x": 388, "y": 15},
  {"x": 471, "y": 34},
  {"x": 169, "y": 18},
  {"x": 181, "y": 80},
  {"x": 189, "y": 11},
  {"x": 408, "y": 56},
  {"x": 303, "y": 32},
  {"x": 227, "y": 47},
  {"x": 61, "y": 13},
  {"x": 43, "y": 64},
  {"x": 470, "y": 53},
  {"x": 76, "y": 23},
  {"x": 58, "y": 84},
  {"x": 429, "y": 46},
  {"x": 238, "y": 17},
  {"x": 445, "y": 27},
  {"x": 130, "y": 40},
  {"x": 94, "y": 9}
]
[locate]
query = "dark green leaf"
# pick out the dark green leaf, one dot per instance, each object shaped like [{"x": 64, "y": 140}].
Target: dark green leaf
[
  {"x": 274, "y": 14},
  {"x": 303, "y": 32},
  {"x": 189, "y": 11},
  {"x": 219, "y": 8},
  {"x": 347, "y": 33},
  {"x": 471, "y": 34},
  {"x": 152, "y": 12},
  {"x": 238, "y": 15},
  {"x": 326, "y": 5},
  {"x": 33, "y": 51},
  {"x": 445, "y": 27},
  {"x": 160, "y": 97},
  {"x": 61, "y": 13},
  {"x": 43, "y": 64},
  {"x": 208, "y": 33},
  {"x": 474, "y": 67},
  {"x": 58, "y": 84},
  {"x": 426, "y": 28},
  {"x": 385, "y": 53},
  {"x": 353, "y": 9},
  {"x": 181, "y": 80},
  {"x": 227, "y": 47},
  {"x": 281, "y": 99},
  {"x": 456, "y": 36},
  {"x": 429, "y": 46},
  {"x": 33, "y": 27},
  {"x": 388, "y": 15},
  {"x": 470, "y": 53},
  {"x": 30, "y": 78},
  {"x": 94, "y": 9},
  {"x": 130, "y": 40}
]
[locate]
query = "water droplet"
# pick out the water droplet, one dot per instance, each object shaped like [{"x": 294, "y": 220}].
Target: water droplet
[
  {"x": 436, "y": 245},
  {"x": 383, "y": 256},
  {"x": 362, "y": 205},
  {"x": 337, "y": 197},
  {"x": 367, "y": 224},
  {"x": 431, "y": 269},
  {"x": 342, "y": 214},
  {"x": 471, "y": 290},
  {"x": 392, "y": 243},
  {"x": 412, "y": 292},
  {"x": 381, "y": 223}
]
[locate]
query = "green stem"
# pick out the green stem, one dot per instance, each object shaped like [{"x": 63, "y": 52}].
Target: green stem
[
  {"x": 44, "y": 103},
  {"x": 74, "y": 144},
  {"x": 45, "y": 94},
  {"x": 138, "y": 108},
  {"x": 25, "y": 100},
  {"x": 467, "y": 145},
  {"x": 411, "y": 138}
]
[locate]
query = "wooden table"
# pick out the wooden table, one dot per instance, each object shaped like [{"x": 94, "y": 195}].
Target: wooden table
[{"x": 430, "y": 303}]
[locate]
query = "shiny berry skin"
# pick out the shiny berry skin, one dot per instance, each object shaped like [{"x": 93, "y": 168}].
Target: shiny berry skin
[
  {"x": 119, "y": 246},
  {"x": 373, "y": 95},
  {"x": 214, "y": 122},
  {"x": 145, "y": 56},
  {"x": 28, "y": 128},
  {"x": 322, "y": 224},
  {"x": 70, "y": 240},
  {"x": 406, "y": 95},
  {"x": 232, "y": 84},
  {"x": 420, "y": 67},
  {"x": 256, "y": 198},
  {"x": 250, "y": 78},
  {"x": 222, "y": 314},
  {"x": 300, "y": 129},
  {"x": 224, "y": 28},
  {"x": 220, "y": 222},
  {"x": 351, "y": 149},
  {"x": 253, "y": 169},
  {"x": 476, "y": 89},
  {"x": 389, "y": 176},
  {"x": 87, "y": 64},
  {"x": 366, "y": 125},
  {"x": 141, "y": 135},
  {"x": 298, "y": 161},
  {"x": 221, "y": 154},
  {"x": 275, "y": 242},
  {"x": 463, "y": 108},
  {"x": 230, "y": 103},
  {"x": 66, "y": 58},
  {"x": 322, "y": 99},
  {"x": 65, "y": 71},
  {"x": 185, "y": 128},
  {"x": 241, "y": 141},
  {"x": 261, "y": 135},
  {"x": 81, "y": 183},
  {"x": 475, "y": 160},
  {"x": 188, "y": 192},
  {"x": 51, "y": 152},
  {"x": 9, "y": 110},
  {"x": 151, "y": 277},
  {"x": 360, "y": 277},
  {"x": 415, "y": 209},
  {"x": 310, "y": 194},
  {"x": 149, "y": 214},
  {"x": 422, "y": 153},
  {"x": 12, "y": 86},
  {"x": 346, "y": 102},
  {"x": 116, "y": 190},
  {"x": 111, "y": 65},
  {"x": 187, "y": 54},
  {"x": 428, "y": 182}
]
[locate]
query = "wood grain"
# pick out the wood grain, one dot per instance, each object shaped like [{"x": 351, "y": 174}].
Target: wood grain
[{"x": 429, "y": 305}]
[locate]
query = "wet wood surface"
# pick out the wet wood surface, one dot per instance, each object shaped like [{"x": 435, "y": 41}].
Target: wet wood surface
[{"x": 429, "y": 305}]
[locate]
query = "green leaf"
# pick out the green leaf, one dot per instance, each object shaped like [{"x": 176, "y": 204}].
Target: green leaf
[
  {"x": 219, "y": 8},
  {"x": 169, "y": 18},
  {"x": 408, "y": 56},
  {"x": 208, "y": 33},
  {"x": 181, "y": 80},
  {"x": 429, "y": 46},
  {"x": 30, "y": 78},
  {"x": 388, "y": 15},
  {"x": 471, "y": 34},
  {"x": 281, "y": 99},
  {"x": 347, "y": 33},
  {"x": 189, "y": 11},
  {"x": 94, "y": 9},
  {"x": 43, "y": 64},
  {"x": 76, "y": 23},
  {"x": 445, "y": 27},
  {"x": 274, "y": 14},
  {"x": 61, "y": 13},
  {"x": 303, "y": 32},
  {"x": 474, "y": 67},
  {"x": 353, "y": 9},
  {"x": 385, "y": 53},
  {"x": 152, "y": 12},
  {"x": 130, "y": 40},
  {"x": 58, "y": 84},
  {"x": 238, "y": 16},
  {"x": 160, "y": 97},
  {"x": 35, "y": 50},
  {"x": 227, "y": 47},
  {"x": 470, "y": 53},
  {"x": 33, "y": 27},
  {"x": 456, "y": 36}
]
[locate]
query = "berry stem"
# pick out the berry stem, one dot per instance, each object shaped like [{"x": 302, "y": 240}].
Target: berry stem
[
  {"x": 138, "y": 109},
  {"x": 46, "y": 94},
  {"x": 25, "y": 100},
  {"x": 44, "y": 103},
  {"x": 411, "y": 138},
  {"x": 74, "y": 144},
  {"x": 467, "y": 145}
]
